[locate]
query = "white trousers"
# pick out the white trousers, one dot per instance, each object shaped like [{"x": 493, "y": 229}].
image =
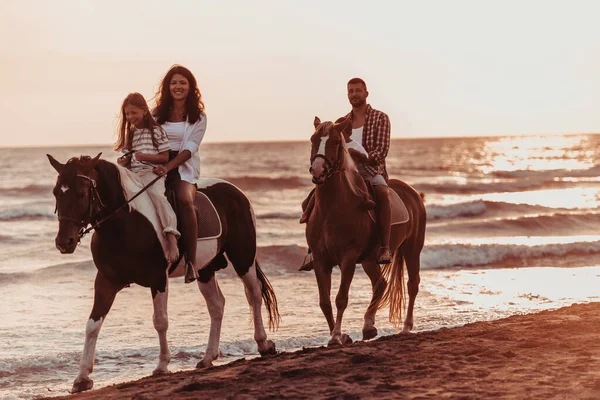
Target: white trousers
[{"x": 165, "y": 212}]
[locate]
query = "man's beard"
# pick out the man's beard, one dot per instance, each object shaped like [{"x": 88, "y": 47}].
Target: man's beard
[{"x": 357, "y": 103}]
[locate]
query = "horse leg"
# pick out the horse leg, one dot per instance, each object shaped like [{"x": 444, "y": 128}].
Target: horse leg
[
  {"x": 161, "y": 324},
  {"x": 323, "y": 276},
  {"x": 104, "y": 296},
  {"x": 253, "y": 289},
  {"x": 341, "y": 302},
  {"x": 215, "y": 302},
  {"x": 378, "y": 284},
  {"x": 413, "y": 265}
]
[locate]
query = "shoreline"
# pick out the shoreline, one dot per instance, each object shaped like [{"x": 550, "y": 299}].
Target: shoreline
[{"x": 550, "y": 354}]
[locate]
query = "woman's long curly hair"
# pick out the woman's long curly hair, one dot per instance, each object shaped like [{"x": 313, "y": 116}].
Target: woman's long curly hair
[
  {"x": 125, "y": 132},
  {"x": 164, "y": 101}
]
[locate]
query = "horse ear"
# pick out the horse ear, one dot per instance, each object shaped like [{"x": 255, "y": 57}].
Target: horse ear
[
  {"x": 343, "y": 125},
  {"x": 57, "y": 166},
  {"x": 317, "y": 122},
  {"x": 94, "y": 161}
]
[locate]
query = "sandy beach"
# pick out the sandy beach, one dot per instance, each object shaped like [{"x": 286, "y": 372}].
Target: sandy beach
[{"x": 547, "y": 355}]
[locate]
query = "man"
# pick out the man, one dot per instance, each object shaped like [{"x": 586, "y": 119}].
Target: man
[{"x": 371, "y": 129}]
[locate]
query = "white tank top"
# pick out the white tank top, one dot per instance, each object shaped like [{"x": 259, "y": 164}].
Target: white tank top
[
  {"x": 175, "y": 132},
  {"x": 357, "y": 135}
]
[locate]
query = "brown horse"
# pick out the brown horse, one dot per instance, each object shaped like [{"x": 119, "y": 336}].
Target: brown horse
[
  {"x": 340, "y": 232},
  {"x": 128, "y": 247}
]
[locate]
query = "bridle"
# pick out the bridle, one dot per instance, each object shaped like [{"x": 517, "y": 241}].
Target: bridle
[
  {"x": 96, "y": 205},
  {"x": 330, "y": 167}
]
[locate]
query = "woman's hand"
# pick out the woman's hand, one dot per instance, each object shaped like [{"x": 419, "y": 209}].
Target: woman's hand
[{"x": 160, "y": 170}]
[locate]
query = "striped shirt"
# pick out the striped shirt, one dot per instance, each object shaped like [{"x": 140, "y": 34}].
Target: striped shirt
[
  {"x": 376, "y": 138},
  {"x": 142, "y": 141}
]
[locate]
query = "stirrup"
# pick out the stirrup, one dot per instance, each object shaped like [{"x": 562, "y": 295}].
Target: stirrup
[
  {"x": 190, "y": 273},
  {"x": 307, "y": 265}
]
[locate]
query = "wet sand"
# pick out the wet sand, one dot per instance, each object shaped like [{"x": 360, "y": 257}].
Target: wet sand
[{"x": 548, "y": 355}]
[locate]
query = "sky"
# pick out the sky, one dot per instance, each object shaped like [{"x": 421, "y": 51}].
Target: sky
[{"x": 266, "y": 68}]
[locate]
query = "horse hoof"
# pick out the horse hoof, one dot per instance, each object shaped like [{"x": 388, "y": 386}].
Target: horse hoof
[
  {"x": 270, "y": 350},
  {"x": 346, "y": 340},
  {"x": 203, "y": 364},
  {"x": 82, "y": 384},
  {"x": 334, "y": 343},
  {"x": 160, "y": 371},
  {"x": 369, "y": 333}
]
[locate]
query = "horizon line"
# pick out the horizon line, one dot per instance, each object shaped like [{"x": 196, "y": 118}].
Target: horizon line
[{"x": 300, "y": 141}]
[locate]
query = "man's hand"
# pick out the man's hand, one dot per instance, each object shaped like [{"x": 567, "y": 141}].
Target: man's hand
[
  {"x": 372, "y": 162},
  {"x": 140, "y": 156},
  {"x": 358, "y": 157}
]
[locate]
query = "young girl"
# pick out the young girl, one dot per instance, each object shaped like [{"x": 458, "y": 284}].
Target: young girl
[{"x": 141, "y": 135}]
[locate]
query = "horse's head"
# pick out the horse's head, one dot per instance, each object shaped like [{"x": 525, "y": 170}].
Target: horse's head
[
  {"x": 328, "y": 144},
  {"x": 77, "y": 199}
]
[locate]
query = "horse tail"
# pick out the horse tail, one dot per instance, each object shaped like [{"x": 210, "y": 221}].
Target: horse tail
[
  {"x": 268, "y": 295},
  {"x": 393, "y": 295}
]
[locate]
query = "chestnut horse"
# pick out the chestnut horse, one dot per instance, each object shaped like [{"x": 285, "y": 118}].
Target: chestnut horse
[
  {"x": 127, "y": 247},
  {"x": 340, "y": 232}
]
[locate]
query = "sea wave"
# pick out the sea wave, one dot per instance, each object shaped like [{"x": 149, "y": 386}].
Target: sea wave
[
  {"x": 29, "y": 190},
  {"x": 279, "y": 215},
  {"x": 57, "y": 271},
  {"x": 501, "y": 186},
  {"x": 551, "y": 224},
  {"x": 264, "y": 182},
  {"x": 482, "y": 208},
  {"x": 25, "y": 215},
  {"x": 504, "y": 255},
  {"x": 285, "y": 260},
  {"x": 549, "y": 174}
]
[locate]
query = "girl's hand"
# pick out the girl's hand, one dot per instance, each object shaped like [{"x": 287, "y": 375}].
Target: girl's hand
[
  {"x": 124, "y": 161},
  {"x": 140, "y": 156},
  {"x": 160, "y": 170}
]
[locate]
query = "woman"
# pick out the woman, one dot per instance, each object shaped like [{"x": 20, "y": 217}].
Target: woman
[{"x": 180, "y": 112}]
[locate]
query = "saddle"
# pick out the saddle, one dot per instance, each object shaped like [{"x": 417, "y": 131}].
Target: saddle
[
  {"x": 399, "y": 211},
  {"x": 209, "y": 222}
]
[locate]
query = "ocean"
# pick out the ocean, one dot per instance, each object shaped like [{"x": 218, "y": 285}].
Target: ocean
[{"x": 513, "y": 228}]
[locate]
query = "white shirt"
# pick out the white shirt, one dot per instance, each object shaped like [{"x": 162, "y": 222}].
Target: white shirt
[{"x": 191, "y": 139}]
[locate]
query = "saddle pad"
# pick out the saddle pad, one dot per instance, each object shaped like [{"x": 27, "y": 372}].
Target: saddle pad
[
  {"x": 209, "y": 222},
  {"x": 399, "y": 211}
]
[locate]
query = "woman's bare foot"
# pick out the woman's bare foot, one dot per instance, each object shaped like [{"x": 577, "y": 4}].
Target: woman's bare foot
[{"x": 173, "y": 251}]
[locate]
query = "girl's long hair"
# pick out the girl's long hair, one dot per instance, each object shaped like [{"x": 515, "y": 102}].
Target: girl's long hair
[
  {"x": 125, "y": 132},
  {"x": 194, "y": 106}
]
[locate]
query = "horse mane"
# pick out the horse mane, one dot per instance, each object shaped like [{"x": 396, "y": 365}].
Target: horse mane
[
  {"x": 347, "y": 165},
  {"x": 109, "y": 184}
]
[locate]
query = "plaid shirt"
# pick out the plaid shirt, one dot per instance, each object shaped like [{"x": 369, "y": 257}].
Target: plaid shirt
[{"x": 376, "y": 138}]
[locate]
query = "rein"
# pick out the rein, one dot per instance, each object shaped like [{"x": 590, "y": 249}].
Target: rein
[
  {"x": 95, "y": 196},
  {"x": 330, "y": 167}
]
